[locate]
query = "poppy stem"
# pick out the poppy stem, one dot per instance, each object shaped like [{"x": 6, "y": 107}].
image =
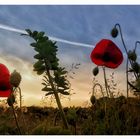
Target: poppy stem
[
  {"x": 135, "y": 74},
  {"x": 97, "y": 84},
  {"x": 127, "y": 80},
  {"x": 137, "y": 42},
  {"x": 106, "y": 84},
  {"x": 20, "y": 97},
  {"x": 16, "y": 119},
  {"x": 122, "y": 37}
]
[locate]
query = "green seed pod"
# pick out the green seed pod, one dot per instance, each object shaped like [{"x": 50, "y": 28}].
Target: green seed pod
[
  {"x": 132, "y": 55},
  {"x": 136, "y": 67},
  {"x": 93, "y": 99},
  {"x": 114, "y": 32},
  {"x": 11, "y": 100},
  {"x": 95, "y": 71},
  {"x": 15, "y": 78}
]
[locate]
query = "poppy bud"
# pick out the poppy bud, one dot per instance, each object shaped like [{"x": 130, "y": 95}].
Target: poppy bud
[
  {"x": 93, "y": 99},
  {"x": 15, "y": 78},
  {"x": 132, "y": 55},
  {"x": 114, "y": 32},
  {"x": 137, "y": 84},
  {"x": 95, "y": 71},
  {"x": 136, "y": 67},
  {"x": 11, "y": 100}
]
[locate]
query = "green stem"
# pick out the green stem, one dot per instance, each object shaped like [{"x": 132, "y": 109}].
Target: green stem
[
  {"x": 125, "y": 46},
  {"x": 20, "y": 97},
  {"x": 137, "y": 42},
  {"x": 127, "y": 91},
  {"x": 57, "y": 98},
  {"x": 16, "y": 119},
  {"x": 106, "y": 85},
  {"x": 97, "y": 84}
]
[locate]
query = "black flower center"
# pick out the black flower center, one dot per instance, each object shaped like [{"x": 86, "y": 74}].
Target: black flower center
[
  {"x": 3, "y": 87},
  {"x": 106, "y": 57}
]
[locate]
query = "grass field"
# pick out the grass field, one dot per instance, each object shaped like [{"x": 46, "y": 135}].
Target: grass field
[{"x": 109, "y": 116}]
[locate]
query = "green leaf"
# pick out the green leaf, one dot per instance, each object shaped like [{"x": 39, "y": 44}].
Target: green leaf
[
  {"x": 41, "y": 68},
  {"x": 33, "y": 44},
  {"x": 46, "y": 89},
  {"x": 63, "y": 92},
  {"x": 37, "y": 49},
  {"x": 28, "y": 31},
  {"x": 40, "y": 35},
  {"x": 49, "y": 93},
  {"x": 34, "y": 34},
  {"x": 43, "y": 84},
  {"x": 38, "y": 56},
  {"x": 39, "y": 72},
  {"x": 38, "y": 64}
]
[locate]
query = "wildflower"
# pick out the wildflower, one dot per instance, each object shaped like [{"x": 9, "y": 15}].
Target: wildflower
[
  {"x": 5, "y": 86},
  {"x": 107, "y": 54}
]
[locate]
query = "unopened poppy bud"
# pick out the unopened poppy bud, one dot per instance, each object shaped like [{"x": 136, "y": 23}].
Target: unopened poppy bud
[
  {"x": 95, "y": 71},
  {"x": 114, "y": 32},
  {"x": 136, "y": 67},
  {"x": 15, "y": 78},
  {"x": 137, "y": 84},
  {"x": 11, "y": 100},
  {"x": 132, "y": 55},
  {"x": 93, "y": 99}
]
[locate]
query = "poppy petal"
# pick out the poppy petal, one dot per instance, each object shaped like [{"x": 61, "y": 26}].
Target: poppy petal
[
  {"x": 106, "y": 53},
  {"x": 5, "y": 86},
  {"x": 5, "y": 93}
]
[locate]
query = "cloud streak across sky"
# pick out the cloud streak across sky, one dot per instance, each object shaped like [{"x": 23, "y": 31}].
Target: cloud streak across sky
[{"x": 9, "y": 28}]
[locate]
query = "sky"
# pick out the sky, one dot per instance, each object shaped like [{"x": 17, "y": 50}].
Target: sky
[{"x": 86, "y": 24}]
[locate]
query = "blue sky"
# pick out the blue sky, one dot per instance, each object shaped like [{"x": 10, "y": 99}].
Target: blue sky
[{"x": 82, "y": 23}]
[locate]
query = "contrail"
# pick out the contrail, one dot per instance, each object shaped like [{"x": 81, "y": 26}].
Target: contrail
[{"x": 9, "y": 28}]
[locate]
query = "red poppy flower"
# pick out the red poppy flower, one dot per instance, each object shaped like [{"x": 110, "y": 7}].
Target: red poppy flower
[
  {"x": 106, "y": 53},
  {"x": 5, "y": 86}
]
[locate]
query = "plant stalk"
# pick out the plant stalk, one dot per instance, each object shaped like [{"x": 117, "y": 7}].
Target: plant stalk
[
  {"x": 106, "y": 84},
  {"x": 127, "y": 90},
  {"x": 57, "y": 98},
  {"x": 16, "y": 119}
]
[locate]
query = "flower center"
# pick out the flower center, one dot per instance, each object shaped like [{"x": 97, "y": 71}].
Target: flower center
[
  {"x": 3, "y": 88},
  {"x": 106, "y": 57}
]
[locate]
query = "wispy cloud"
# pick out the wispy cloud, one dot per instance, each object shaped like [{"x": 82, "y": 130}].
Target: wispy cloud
[{"x": 9, "y": 28}]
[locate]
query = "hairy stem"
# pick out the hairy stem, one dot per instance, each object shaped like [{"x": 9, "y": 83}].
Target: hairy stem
[
  {"x": 118, "y": 25},
  {"x": 17, "y": 124},
  {"x": 97, "y": 84},
  {"x": 127, "y": 91},
  {"x": 106, "y": 84},
  {"x": 57, "y": 97},
  {"x": 20, "y": 97}
]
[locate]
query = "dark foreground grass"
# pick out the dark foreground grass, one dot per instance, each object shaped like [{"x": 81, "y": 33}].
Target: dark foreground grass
[{"x": 116, "y": 116}]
